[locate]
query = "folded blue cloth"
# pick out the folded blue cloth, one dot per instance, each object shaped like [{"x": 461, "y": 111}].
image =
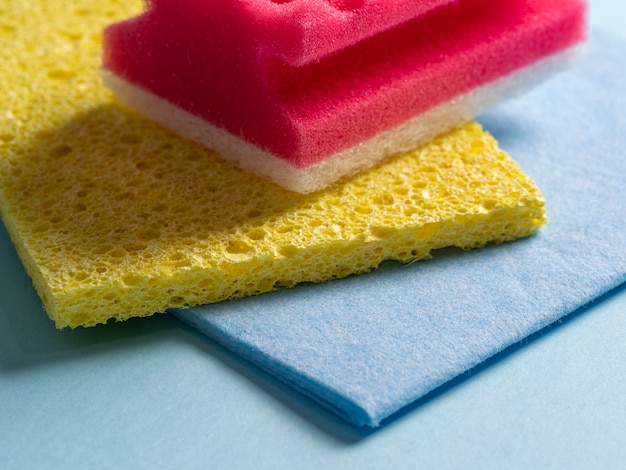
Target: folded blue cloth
[{"x": 369, "y": 345}]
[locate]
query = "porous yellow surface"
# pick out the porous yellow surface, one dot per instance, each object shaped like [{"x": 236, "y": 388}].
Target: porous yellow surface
[{"x": 114, "y": 217}]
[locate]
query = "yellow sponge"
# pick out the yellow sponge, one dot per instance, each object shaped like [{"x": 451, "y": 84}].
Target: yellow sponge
[{"x": 115, "y": 217}]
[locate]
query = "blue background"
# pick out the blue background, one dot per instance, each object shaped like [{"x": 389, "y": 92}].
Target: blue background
[{"x": 153, "y": 393}]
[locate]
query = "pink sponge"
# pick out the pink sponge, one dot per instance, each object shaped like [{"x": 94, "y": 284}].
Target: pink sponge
[{"x": 308, "y": 91}]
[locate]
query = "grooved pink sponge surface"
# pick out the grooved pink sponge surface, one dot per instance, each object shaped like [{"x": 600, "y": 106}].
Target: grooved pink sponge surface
[
  {"x": 302, "y": 31},
  {"x": 305, "y": 79}
]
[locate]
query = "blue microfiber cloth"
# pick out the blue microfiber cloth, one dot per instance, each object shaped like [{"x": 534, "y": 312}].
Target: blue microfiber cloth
[{"x": 369, "y": 345}]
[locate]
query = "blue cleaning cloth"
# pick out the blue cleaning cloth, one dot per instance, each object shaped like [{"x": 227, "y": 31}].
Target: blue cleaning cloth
[{"x": 369, "y": 345}]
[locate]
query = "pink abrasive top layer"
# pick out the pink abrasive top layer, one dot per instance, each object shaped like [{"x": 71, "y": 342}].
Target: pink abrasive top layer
[{"x": 305, "y": 79}]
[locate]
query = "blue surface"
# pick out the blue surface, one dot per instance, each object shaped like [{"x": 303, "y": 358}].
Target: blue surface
[
  {"x": 370, "y": 345},
  {"x": 153, "y": 393}
]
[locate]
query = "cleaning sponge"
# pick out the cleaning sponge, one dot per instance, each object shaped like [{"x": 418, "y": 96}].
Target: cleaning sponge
[
  {"x": 114, "y": 217},
  {"x": 308, "y": 91}
]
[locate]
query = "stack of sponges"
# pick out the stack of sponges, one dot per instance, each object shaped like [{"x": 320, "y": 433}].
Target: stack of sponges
[{"x": 114, "y": 217}]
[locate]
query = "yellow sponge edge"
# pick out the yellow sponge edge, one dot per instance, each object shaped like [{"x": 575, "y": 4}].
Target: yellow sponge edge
[{"x": 115, "y": 217}]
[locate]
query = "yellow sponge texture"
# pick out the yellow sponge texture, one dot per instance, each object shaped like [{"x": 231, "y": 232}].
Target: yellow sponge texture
[{"x": 115, "y": 217}]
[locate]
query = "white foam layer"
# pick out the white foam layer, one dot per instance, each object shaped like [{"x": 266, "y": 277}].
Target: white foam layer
[{"x": 410, "y": 135}]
